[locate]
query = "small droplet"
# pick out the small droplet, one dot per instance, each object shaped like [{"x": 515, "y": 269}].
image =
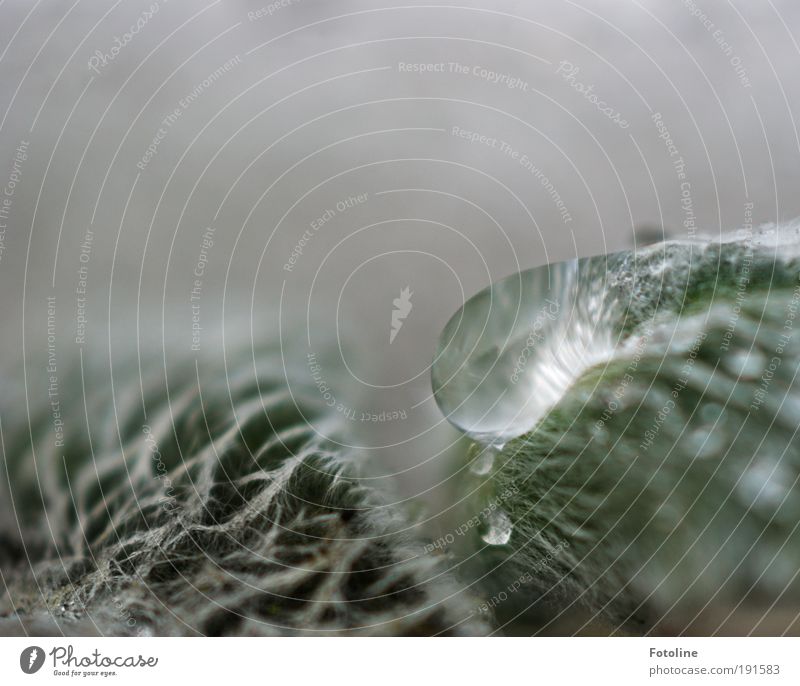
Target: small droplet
[
  {"x": 499, "y": 528},
  {"x": 747, "y": 365}
]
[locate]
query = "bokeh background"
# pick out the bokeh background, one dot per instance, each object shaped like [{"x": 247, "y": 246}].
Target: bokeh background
[{"x": 180, "y": 176}]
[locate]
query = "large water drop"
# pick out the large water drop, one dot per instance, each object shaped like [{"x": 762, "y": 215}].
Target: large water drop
[
  {"x": 510, "y": 352},
  {"x": 514, "y": 349}
]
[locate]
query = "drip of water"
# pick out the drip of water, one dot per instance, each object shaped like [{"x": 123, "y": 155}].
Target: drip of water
[
  {"x": 513, "y": 349},
  {"x": 499, "y": 528}
]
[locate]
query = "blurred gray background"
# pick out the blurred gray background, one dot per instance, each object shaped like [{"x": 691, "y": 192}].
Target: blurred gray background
[{"x": 316, "y": 157}]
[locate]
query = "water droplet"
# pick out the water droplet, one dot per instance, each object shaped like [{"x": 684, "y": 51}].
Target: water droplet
[
  {"x": 705, "y": 442},
  {"x": 513, "y": 349},
  {"x": 499, "y": 528}
]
